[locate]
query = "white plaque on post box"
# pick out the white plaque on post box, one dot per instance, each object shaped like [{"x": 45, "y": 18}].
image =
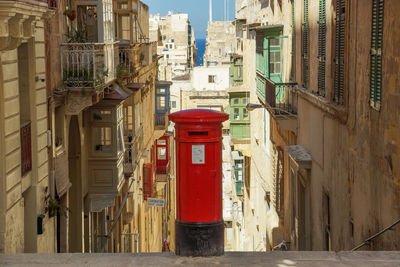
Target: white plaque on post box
[{"x": 198, "y": 154}]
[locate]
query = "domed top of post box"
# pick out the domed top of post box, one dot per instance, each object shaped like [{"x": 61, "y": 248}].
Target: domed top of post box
[{"x": 198, "y": 116}]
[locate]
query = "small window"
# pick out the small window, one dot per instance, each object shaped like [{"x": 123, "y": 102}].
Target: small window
[
  {"x": 173, "y": 104},
  {"x": 236, "y": 115},
  {"x": 211, "y": 78},
  {"x": 236, "y": 101},
  {"x": 161, "y": 91},
  {"x": 161, "y": 142},
  {"x": 102, "y": 139},
  {"x": 245, "y": 101},
  {"x": 102, "y": 115}
]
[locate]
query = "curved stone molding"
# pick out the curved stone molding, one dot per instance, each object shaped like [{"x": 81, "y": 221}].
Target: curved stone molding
[{"x": 18, "y": 21}]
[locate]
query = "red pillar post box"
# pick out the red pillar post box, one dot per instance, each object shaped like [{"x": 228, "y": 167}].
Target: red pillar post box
[{"x": 199, "y": 227}]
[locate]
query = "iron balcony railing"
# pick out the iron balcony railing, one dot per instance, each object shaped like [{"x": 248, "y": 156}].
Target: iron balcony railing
[
  {"x": 133, "y": 148},
  {"x": 88, "y": 65},
  {"x": 280, "y": 98}
]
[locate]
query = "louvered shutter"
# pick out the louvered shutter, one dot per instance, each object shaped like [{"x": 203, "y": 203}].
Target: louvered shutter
[
  {"x": 305, "y": 45},
  {"x": 293, "y": 43},
  {"x": 321, "y": 47},
  {"x": 339, "y": 51},
  {"x": 376, "y": 53}
]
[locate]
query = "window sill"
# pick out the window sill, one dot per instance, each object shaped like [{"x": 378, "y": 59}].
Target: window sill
[{"x": 336, "y": 111}]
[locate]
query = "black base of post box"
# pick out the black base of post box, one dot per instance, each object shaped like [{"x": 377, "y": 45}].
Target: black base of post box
[{"x": 199, "y": 239}]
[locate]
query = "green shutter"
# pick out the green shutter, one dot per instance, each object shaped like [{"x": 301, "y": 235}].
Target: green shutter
[
  {"x": 321, "y": 47},
  {"x": 293, "y": 44},
  {"x": 305, "y": 44},
  {"x": 339, "y": 51},
  {"x": 376, "y": 54}
]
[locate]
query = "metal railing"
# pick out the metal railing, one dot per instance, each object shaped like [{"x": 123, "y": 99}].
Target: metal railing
[
  {"x": 26, "y": 148},
  {"x": 161, "y": 120},
  {"x": 368, "y": 240},
  {"x": 127, "y": 60},
  {"x": 134, "y": 146},
  {"x": 88, "y": 65},
  {"x": 280, "y": 98},
  {"x": 164, "y": 170}
]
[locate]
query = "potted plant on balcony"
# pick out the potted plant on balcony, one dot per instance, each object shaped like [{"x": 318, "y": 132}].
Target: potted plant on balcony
[
  {"x": 54, "y": 205},
  {"x": 71, "y": 14}
]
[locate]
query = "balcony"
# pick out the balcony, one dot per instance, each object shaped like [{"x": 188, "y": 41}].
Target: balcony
[
  {"x": 89, "y": 65},
  {"x": 161, "y": 121},
  {"x": 133, "y": 149},
  {"x": 280, "y": 99}
]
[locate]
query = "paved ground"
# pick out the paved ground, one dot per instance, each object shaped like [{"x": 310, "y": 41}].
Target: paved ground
[{"x": 280, "y": 259}]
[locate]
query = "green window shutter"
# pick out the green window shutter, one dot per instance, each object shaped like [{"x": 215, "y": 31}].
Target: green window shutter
[
  {"x": 339, "y": 51},
  {"x": 376, "y": 54},
  {"x": 321, "y": 47},
  {"x": 293, "y": 44},
  {"x": 305, "y": 45}
]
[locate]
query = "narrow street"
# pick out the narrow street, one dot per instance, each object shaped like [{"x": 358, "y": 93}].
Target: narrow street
[{"x": 234, "y": 132}]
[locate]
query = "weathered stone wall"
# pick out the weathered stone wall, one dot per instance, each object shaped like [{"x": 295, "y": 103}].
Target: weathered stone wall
[
  {"x": 355, "y": 159},
  {"x": 24, "y": 197}
]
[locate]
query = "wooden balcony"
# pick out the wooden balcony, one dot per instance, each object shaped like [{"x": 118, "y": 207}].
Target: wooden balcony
[{"x": 89, "y": 65}]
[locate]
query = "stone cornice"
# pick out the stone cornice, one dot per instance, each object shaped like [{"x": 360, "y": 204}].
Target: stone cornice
[{"x": 18, "y": 20}]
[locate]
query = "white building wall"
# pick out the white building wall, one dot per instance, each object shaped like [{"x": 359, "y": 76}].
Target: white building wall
[{"x": 201, "y": 76}]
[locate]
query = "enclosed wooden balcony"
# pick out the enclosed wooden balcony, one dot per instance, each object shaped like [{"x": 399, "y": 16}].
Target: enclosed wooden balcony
[{"x": 89, "y": 65}]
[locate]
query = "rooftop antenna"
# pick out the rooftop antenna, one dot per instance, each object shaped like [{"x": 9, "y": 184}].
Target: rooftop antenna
[
  {"x": 225, "y": 9},
  {"x": 210, "y": 19}
]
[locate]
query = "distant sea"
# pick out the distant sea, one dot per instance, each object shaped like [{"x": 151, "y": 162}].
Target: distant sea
[{"x": 201, "y": 47}]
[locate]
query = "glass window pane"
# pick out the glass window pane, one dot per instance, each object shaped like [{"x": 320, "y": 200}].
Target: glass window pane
[
  {"x": 245, "y": 114},
  {"x": 161, "y": 103},
  {"x": 236, "y": 114},
  {"x": 245, "y": 101},
  {"x": 274, "y": 42},
  {"x": 102, "y": 139},
  {"x": 161, "y": 142},
  {"x": 102, "y": 115},
  {"x": 236, "y": 101},
  {"x": 277, "y": 56},
  {"x": 278, "y": 67}
]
